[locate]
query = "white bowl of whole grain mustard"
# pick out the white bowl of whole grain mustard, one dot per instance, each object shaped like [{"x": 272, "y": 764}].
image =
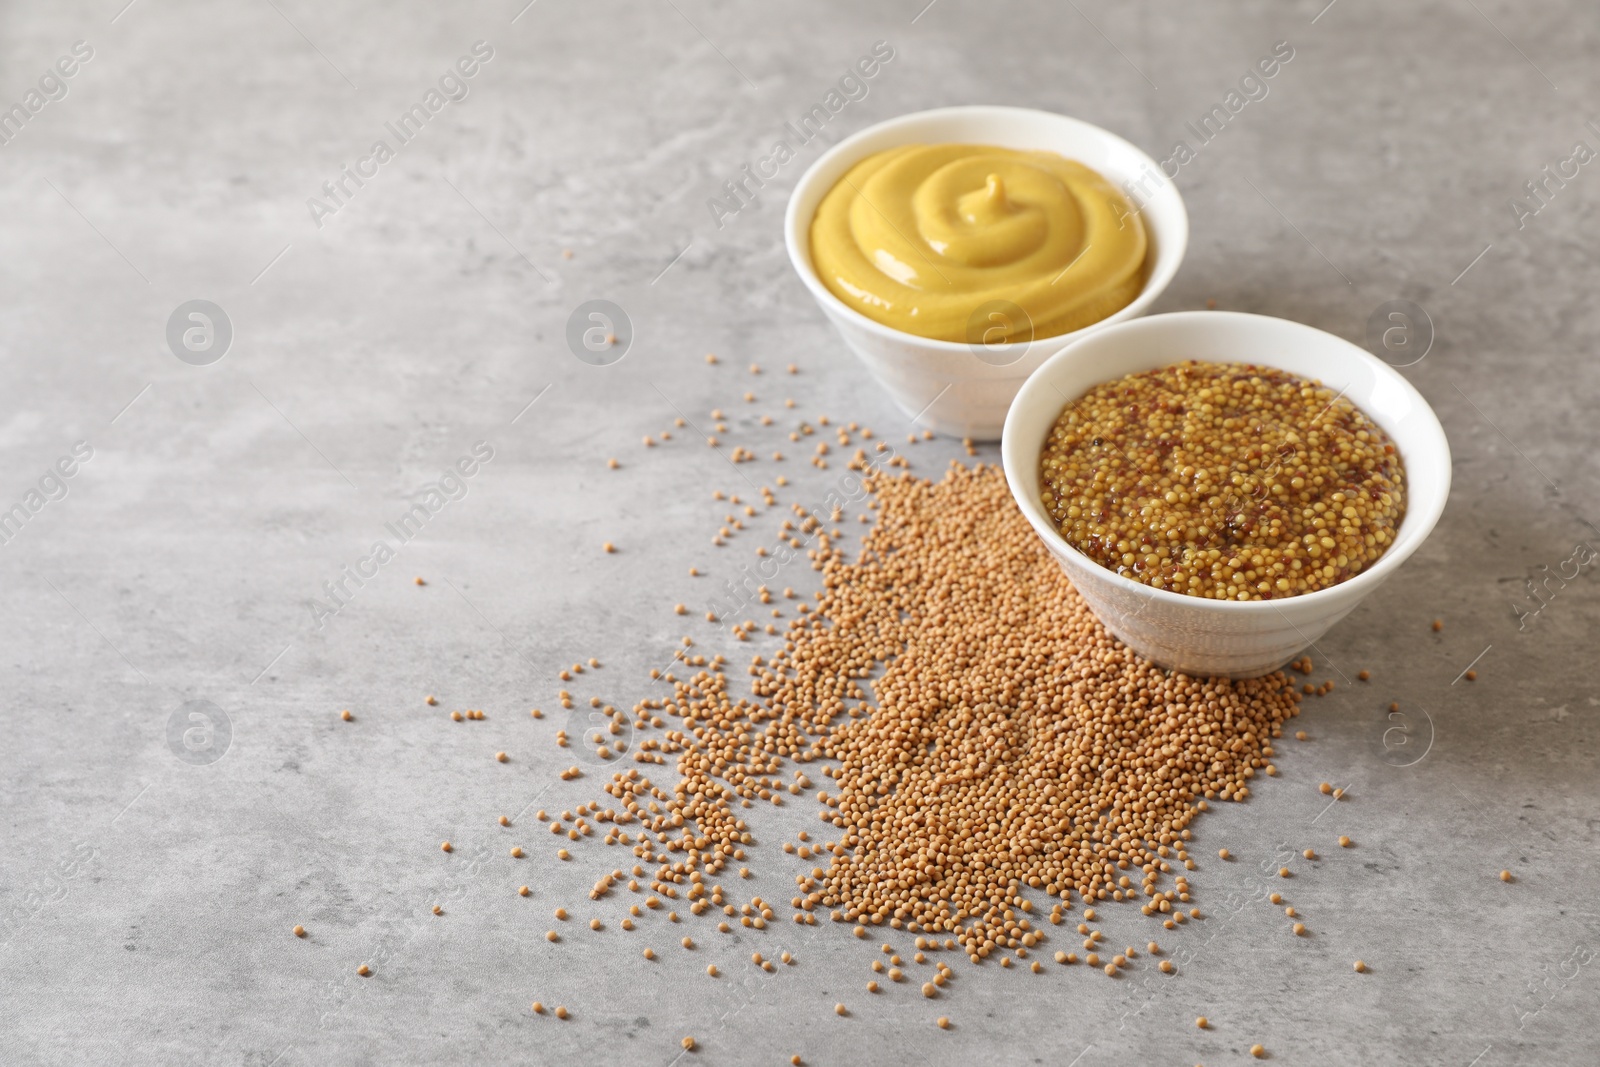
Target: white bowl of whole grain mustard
[
  {"x": 1219, "y": 637},
  {"x": 964, "y": 386}
]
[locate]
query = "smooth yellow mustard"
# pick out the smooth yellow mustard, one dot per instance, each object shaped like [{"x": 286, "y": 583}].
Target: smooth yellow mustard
[{"x": 926, "y": 238}]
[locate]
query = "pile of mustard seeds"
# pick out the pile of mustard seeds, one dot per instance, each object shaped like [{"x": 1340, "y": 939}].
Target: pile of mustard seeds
[
  {"x": 984, "y": 736},
  {"x": 1222, "y": 480}
]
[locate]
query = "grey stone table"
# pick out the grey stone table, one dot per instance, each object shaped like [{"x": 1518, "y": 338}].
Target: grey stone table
[{"x": 186, "y": 613}]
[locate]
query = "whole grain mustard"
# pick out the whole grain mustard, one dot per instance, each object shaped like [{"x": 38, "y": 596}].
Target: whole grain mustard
[
  {"x": 1223, "y": 480},
  {"x": 923, "y": 237}
]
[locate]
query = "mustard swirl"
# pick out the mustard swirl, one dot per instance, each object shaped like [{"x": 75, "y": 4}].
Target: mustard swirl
[{"x": 921, "y": 237}]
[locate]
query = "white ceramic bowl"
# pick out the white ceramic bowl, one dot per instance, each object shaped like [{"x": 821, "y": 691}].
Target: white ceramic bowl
[
  {"x": 1240, "y": 639},
  {"x": 945, "y": 385}
]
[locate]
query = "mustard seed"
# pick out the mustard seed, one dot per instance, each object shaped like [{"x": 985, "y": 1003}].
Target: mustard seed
[
  {"x": 1258, "y": 1051},
  {"x": 1361, "y": 968},
  {"x": 1344, "y": 842},
  {"x": 1027, "y": 750},
  {"x": 688, "y": 1044},
  {"x": 364, "y": 970},
  {"x": 299, "y": 931},
  {"x": 1505, "y": 876},
  {"x": 561, "y": 1012}
]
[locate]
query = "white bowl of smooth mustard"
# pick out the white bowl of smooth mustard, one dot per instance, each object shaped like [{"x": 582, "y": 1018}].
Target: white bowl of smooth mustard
[{"x": 956, "y": 250}]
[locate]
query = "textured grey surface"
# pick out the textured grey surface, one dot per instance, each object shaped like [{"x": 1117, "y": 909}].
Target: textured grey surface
[{"x": 147, "y": 902}]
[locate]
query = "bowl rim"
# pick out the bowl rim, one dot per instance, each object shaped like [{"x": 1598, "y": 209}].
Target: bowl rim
[
  {"x": 800, "y": 258},
  {"x": 1333, "y": 597}
]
